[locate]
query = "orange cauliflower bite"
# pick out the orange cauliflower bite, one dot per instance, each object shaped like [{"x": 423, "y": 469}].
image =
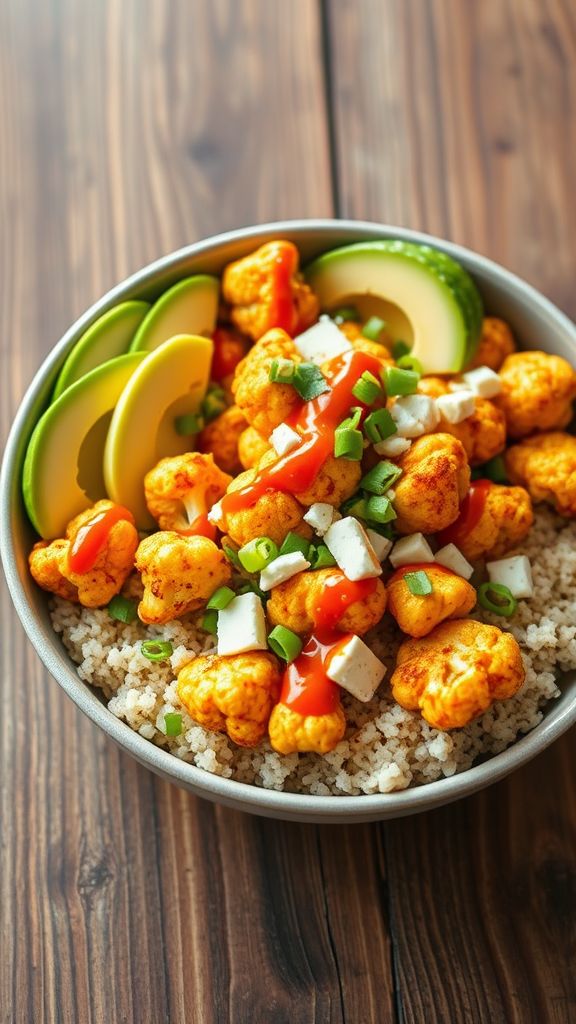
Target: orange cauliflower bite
[
  {"x": 435, "y": 479},
  {"x": 250, "y": 286},
  {"x": 505, "y": 520},
  {"x": 456, "y": 672},
  {"x": 179, "y": 575},
  {"x": 293, "y": 604},
  {"x": 336, "y": 480},
  {"x": 264, "y": 403},
  {"x": 251, "y": 447},
  {"x": 221, "y": 438},
  {"x": 416, "y": 614},
  {"x": 233, "y": 694},
  {"x": 291, "y": 732},
  {"x": 483, "y": 434},
  {"x": 496, "y": 343},
  {"x": 537, "y": 392},
  {"x": 182, "y": 488},
  {"x": 546, "y": 466},
  {"x": 45, "y": 560},
  {"x": 275, "y": 514}
]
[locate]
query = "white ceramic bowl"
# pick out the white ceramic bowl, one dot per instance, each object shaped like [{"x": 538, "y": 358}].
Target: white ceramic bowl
[{"x": 536, "y": 322}]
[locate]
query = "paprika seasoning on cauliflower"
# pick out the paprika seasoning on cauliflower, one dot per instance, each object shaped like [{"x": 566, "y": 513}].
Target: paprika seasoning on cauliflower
[
  {"x": 546, "y": 466},
  {"x": 263, "y": 402},
  {"x": 417, "y": 614},
  {"x": 435, "y": 479},
  {"x": 537, "y": 392},
  {"x": 179, "y": 574},
  {"x": 181, "y": 490}
]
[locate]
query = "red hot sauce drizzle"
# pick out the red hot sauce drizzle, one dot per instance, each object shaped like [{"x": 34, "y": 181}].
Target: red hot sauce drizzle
[
  {"x": 471, "y": 511},
  {"x": 92, "y": 536},
  {"x": 282, "y": 311}
]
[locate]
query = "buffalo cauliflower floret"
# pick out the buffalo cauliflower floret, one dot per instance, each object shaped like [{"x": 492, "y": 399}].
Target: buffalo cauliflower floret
[
  {"x": 295, "y": 603},
  {"x": 252, "y": 445},
  {"x": 483, "y": 434},
  {"x": 274, "y": 514},
  {"x": 45, "y": 560},
  {"x": 221, "y": 437},
  {"x": 417, "y": 614},
  {"x": 179, "y": 575},
  {"x": 336, "y": 480},
  {"x": 292, "y": 732},
  {"x": 264, "y": 403},
  {"x": 537, "y": 392},
  {"x": 435, "y": 479},
  {"x": 233, "y": 694},
  {"x": 504, "y": 521},
  {"x": 546, "y": 466},
  {"x": 259, "y": 299},
  {"x": 496, "y": 343},
  {"x": 456, "y": 672},
  {"x": 230, "y": 347},
  {"x": 181, "y": 489}
]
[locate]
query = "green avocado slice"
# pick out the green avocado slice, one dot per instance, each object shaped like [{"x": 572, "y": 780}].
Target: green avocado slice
[{"x": 189, "y": 307}]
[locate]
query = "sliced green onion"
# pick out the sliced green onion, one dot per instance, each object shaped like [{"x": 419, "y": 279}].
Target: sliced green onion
[
  {"x": 250, "y": 587},
  {"x": 373, "y": 328},
  {"x": 409, "y": 362},
  {"x": 321, "y": 557},
  {"x": 418, "y": 583},
  {"x": 282, "y": 371},
  {"x": 355, "y": 506},
  {"x": 379, "y": 425},
  {"x": 353, "y": 421},
  {"x": 381, "y": 477},
  {"x": 309, "y": 381},
  {"x": 367, "y": 389},
  {"x": 348, "y": 443},
  {"x": 210, "y": 621},
  {"x": 286, "y": 644},
  {"x": 497, "y": 598},
  {"x": 192, "y": 423},
  {"x": 214, "y": 403},
  {"x": 384, "y": 529},
  {"x": 380, "y": 509},
  {"x": 221, "y": 598},
  {"x": 495, "y": 470},
  {"x": 399, "y": 349},
  {"x": 122, "y": 609},
  {"x": 156, "y": 650},
  {"x": 257, "y": 554},
  {"x": 345, "y": 313},
  {"x": 293, "y": 542},
  {"x": 232, "y": 555},
  {"x": 172, "y": 723},
  {"x": 400, "y": 382}
]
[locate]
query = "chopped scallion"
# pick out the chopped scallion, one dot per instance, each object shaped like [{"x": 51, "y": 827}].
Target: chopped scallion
[
  {"x": 191, "y": 423},
  {"x": 348, "y": 443},
  {"x": 399, "y": 349},
  {"x": 214, "y": 402},
  {"x": 309, "y": 381},
  {"x": 156, "y": 650},
  {"x": 495, "y": 470},
  {"x": 418, "y": 583},
  {"x": 122, "y": 609},
  {"x": 400, "y": 382},
  {"x": 373, "y": 328},
  {"x": 293, "y": 542},
  {"x": 172, "y": 723},
  {"x": 497, "y": 598},
  {"x": 379, "y": 425},
  {"x": 221, "y": 598},
  {"x": 232, "y": 556},
  {"x": 381, "y": 477},
  {"x": 250, "y": 587},
  {"x": 367, "y": 389},
  {"x": 355, "y": 506},
  {"x": 379, "y": 508},
  {"x": 321, "y": 557},
  {"x": 257, "y": 554},
  {"x": 409, "y": 362},
  {"x": 286, "y": 644},
  {"x": 282, "y": 371},
  {"x": 345, "y": 313},
  {"x": 210, "y": 621}
]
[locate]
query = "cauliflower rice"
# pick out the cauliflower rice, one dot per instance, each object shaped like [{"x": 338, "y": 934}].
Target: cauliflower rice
[{"x": 386, "y": 748}]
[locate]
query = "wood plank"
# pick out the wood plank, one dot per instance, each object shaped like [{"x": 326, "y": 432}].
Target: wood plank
[{"x": 459, "y": 119}]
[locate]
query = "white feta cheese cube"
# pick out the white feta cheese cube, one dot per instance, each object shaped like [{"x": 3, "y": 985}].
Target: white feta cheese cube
[
  {"x": 242, "y": 626},
  {"x": 392, "y": 446},
  {"x": 515, "y": 573},
  {"x": 483, "y": 382},
  {"x": 356, "y": 669},
  {"x": 216, "y": 516},
  {"x": 282, "y": 568},
  {"x": 452, "y": 558},
  {"x": 415, "y": 415},
  {"x": 283, "y": 439},
  {"x": 348, "y": 543},
  {"x": 410, "y": 550},
  {"x": 456, "y": 407},
  {"x": 382, "y": 546},
  {"x": 320, "y": 517},
  {"x": 322, "y": 341}
]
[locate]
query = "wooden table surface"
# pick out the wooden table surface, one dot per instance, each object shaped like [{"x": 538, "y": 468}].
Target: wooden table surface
[{"x": 130, "y": 128}]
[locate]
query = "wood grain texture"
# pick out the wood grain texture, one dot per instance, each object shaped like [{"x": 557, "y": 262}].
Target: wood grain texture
[{"x": 131, "y": 127}]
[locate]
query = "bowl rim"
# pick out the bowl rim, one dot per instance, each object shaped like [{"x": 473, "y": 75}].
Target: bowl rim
[{"x": 246, "y": 796}]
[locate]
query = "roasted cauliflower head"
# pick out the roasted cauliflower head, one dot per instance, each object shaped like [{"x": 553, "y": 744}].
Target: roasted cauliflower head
[
  {"x": 221, "y": 437},
  {"x": 275, "y": 514},
  {"x": 435, "y": 479},
  {"x": 291, "y": 732},
  {"x": 537, "y": 392},
  {"x": 295, "y": 603},
  {"x": 233, "y": 694},
  {"x": 456, "y": 672},
  {"x": 45, "y": 560},
  {"x": 546, "y": 466},
  {"x": 336, "y": 480},
  {"x": 483, "y": 434},
  {"x": 251, "y": 447},
  {"x": 264, "y": 403},
  {"x": 417, "y": 615},
  {"x": 179, "y": 575},
  {"x": 496, "y": 343},
  {"x": 504, "y": 521},
  {"x": 180, "y": 491},
  {"x": 265, "y": 290}
]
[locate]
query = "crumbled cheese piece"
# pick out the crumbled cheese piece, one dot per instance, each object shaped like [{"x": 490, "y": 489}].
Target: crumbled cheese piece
[
  {"x": 382, "y": 546},
  {"x": 322, "y": 341},
  {"x": 216, "y": 516},
  {"x": 415, "y": 415},
  {"x": 514, "y": 573},
  {"x": 282, "y": 568},
  {"x": 483, "y": 382},
  {"x": 456, "y": 407},
  {"x": 320, "y": 517},
  {"x": 452, "y": 558},
  {"x": 356, "y": 669},
  {"x": 283, "y": 439},
  {"x": 242, "y": 626},
  {"x": 348, "y": 543},
  {"x": 410, "y": 550},
  {"x": 392, "y": 446}
]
